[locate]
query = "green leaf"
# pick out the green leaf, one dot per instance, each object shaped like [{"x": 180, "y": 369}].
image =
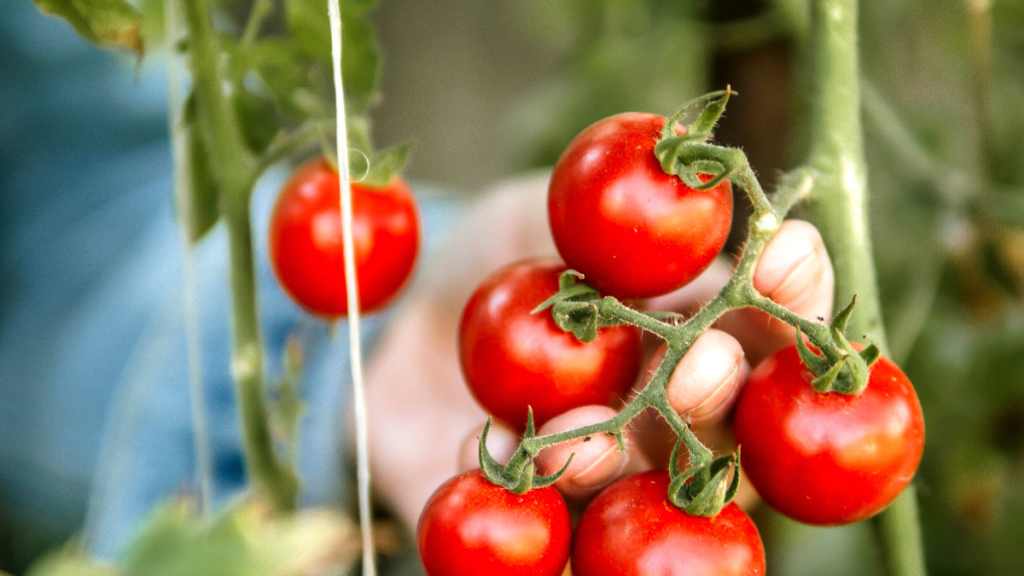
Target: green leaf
[
  {"x": 67, "y": 561},
  {"x": 360, "y": 55},
  {"x": 256, "y": 118},
  {"x": 202, "y": 212},
  {"x": 386, "y": 164},
  {"x": 542, "y": 481},
  {"x": 242, "y": 541},
  {"x": 106, "y": 23}
]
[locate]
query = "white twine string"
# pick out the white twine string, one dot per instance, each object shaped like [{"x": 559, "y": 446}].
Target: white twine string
[{"x": 352, "y": 292}]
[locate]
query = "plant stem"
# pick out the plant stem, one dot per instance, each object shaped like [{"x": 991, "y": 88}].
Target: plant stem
[
  {"x": 839, "y": 207},
  {"x": 182, "y": 157},
  {"x": 232, "y": 164},
  {"x": 839, "y": 203},
  {"x": 271, "y": 477}
]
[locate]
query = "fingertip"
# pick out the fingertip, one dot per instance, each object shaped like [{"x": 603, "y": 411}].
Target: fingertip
[
  {"x": 705, "y": 383},
  {"x": 795, "y": 270},
  {"x": 501, "y": 443},
  {"x": 596, "y": 459}
]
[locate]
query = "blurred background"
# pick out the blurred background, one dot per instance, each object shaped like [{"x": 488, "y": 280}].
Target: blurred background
[{"x": 488, "y": 90}]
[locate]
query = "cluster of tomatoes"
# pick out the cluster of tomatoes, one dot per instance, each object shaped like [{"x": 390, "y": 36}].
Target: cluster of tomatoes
[{"x": 634, "y": 232}]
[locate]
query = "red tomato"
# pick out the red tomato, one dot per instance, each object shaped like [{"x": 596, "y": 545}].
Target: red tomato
[
  {"x": 632, "y": 529},
  {"x": 828, "y": 459},
  {"x": 616, "y": 216},
  {"x": 513, "y": 359},
  {"x": 471, "y": 527},
  {"x": 306, "y": 243}
]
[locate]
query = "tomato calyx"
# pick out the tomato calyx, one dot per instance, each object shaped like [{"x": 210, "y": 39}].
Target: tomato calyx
[
  {"x": 708, "y": 484},
  {"x": 576, "y": 307},
  {"x": 842, "y": 369},
  {"x": 385, "y": 164},
  {"x": 689, "y": 156},
  {"x": 518, "y": 475}
]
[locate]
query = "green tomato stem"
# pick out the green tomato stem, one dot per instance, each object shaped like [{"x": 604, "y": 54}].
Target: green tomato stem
[
  {"x": 738, "y": 293},
  {"x": 839, "y": 206}
]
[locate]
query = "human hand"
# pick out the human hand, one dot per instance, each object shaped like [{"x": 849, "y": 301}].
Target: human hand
[{"x": 426, "y": 424}]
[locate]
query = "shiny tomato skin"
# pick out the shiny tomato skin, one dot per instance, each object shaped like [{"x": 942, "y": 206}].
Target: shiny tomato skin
[
  {"x": 616, "y": 216},
  {"x": 632, "y": 529},
  {"x": 513, "y": 359},
  {"x": 470, "y": 527},
  {"x": 828, "y": 459},
  {"x": 306, "y": 243}
]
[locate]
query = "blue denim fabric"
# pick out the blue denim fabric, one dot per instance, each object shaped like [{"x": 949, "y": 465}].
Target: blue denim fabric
[{"x": 95, "y": 421}]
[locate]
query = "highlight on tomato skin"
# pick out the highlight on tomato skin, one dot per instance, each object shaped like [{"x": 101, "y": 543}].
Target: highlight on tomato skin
[
  {"x": 306, "y": 248},
  {"x": 472, "y": 527},
  {"x": 828, "y": 459},
  {"x": 632, "y": 529},
  {"x": 633, "y": 230},
  {"x": 514, "y": 360}
]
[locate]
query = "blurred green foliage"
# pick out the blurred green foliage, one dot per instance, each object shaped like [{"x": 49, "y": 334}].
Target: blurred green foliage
[{"x": 243, "y": 541}]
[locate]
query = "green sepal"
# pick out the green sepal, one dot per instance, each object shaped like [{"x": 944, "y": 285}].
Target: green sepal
[
  {"x": 855, "y": 379},
  {"x": 667, "y": 151},
  {"x": 580, "y": 318},
  {"x": 518, "y": 476},
  {"x": 711, "y": 499},
  {"x": 531, "y": 426},
  {"x": 816, "y": 363},
  {"x": 826, "y": 382},
  {"x": 839, "y": 321},
  {"x": 569, "y": 278},
  {"x": 492, "y": 470},
  {"x": 705, "y": 123},
  {"x": 667, "y": 129},
  {"x": 568, "y": 290},
  {"x": 566, "y": 294},
  {"x": 386, "y": 164},
  {"x": 871, "y": 353},
  {"x": 544, "y": 481},
  {"x": 702, "y": 489}
]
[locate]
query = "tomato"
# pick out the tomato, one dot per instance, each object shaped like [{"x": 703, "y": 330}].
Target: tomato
[
  {"x": 513, "y": 359},
  {"x": 828, "y": 459},
  {"x": 616, "y": 216},
  {"x": 306, "y": 243},
  {"x": 471, "y": 527},
  {"x": 632, "y": 529}
]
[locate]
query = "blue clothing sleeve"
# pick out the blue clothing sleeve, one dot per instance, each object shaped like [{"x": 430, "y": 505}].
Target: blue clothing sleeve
[{"x": 95, "y": 419}]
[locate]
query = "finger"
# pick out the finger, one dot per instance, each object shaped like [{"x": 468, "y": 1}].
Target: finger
[
  {"x": 501, "y": 443},
  {"x": 597, "y": 461},
  {"x": 705, "y": 383},
  {"x": 795, "y": 271}
]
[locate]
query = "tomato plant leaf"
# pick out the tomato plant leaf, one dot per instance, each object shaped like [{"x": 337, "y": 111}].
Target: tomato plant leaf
[
  {"x": 387, "y": 164},
  {"x": 360, "y": 55},
  {"x": 107, "y": 23},
  {"x": 202, "y": 211}
]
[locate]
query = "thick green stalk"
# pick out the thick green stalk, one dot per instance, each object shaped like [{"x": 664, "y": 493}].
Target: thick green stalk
[
  {"x": 839, "y": 206},
  {"x": 840, "y": 201},
  {"x": 233, "y": 169}
]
